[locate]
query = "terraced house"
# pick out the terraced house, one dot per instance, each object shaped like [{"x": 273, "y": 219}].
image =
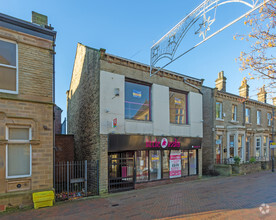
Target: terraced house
[
  {"x": 26, "y": 108},
  {"x": 235, "y": 126},
  {"x": 139, "y": 128}
]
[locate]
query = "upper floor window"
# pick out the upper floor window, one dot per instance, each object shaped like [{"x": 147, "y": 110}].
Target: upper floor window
[
  {"x": 234, "y": 113},
  {"x": 18, "y": 152},
  {"x": 269, "y": 119},
  {"x": 219, "y": 110},
  {"x": 258, "y": 117},
  {"x": 8, "y": 67},
  {"x": 137, "y": 101},
  {"x": 247, "y": 115},
  {"x": 178, "y": 107}
]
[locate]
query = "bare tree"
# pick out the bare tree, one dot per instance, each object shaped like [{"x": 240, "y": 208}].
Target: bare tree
[{"x": 260, "y": 61}]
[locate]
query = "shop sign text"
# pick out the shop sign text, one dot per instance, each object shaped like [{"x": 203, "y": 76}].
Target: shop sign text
[{"x": 157, "y": 144}]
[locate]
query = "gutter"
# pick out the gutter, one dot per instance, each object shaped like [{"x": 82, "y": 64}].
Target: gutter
[
  {"x": 28, "y": 25},
  {"x": 184, "y": 80}
]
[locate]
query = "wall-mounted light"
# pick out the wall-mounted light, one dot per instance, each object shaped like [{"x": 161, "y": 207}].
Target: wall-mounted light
[{"x": 117, "y": 91}]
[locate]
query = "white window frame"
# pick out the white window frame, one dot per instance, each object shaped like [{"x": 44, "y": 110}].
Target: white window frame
[
  {"x": 249, "y": 116},
  {"x": 269, "y": 119},
  {"x": 220, "y": 116},
  {"x": 235, "y": 113},
  {"x": 259, "y": 117},
  {"x": 18, "y": 142},
  {"x": 9, "y": 66}
]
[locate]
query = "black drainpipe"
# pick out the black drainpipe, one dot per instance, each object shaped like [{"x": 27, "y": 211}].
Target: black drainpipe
[{"x": 54, "y": 147}]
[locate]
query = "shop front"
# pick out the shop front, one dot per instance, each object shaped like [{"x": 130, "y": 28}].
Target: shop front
[{"x": 135, "y": 159}]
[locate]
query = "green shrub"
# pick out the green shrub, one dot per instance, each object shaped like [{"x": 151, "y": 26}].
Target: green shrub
[
  {"x": 252, "y": 160},
  {"x": 237, "y": 160}
]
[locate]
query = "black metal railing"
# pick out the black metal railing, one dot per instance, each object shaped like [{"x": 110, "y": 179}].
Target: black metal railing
[{"x": 75, "y": 179}]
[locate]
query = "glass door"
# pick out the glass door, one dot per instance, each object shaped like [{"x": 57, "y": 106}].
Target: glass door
[{"x": 155, "y": 164}]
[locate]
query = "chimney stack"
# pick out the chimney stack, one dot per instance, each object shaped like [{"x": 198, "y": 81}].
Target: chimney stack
[
  {"x": 274, "y": 101},
  {"x": 221, "y": 82},
  {"x": 39, "y": 19},
  {"x": 244, "y": 89},
  {"x": 262, "y": 95}
]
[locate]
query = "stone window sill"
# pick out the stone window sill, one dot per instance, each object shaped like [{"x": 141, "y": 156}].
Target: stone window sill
[
  {"x": 234, "y": 122},
  {"x": 219, "y": 119}
]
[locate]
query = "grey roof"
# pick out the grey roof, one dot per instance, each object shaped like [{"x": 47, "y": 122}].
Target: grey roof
[{"x": 27, "y": 27}]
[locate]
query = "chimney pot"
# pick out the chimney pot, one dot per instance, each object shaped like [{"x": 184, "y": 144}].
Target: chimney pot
[
  {"x": 221, "y": 82},
  {"x": 244, "y": 89},
  {"x": 262, "y": 95}
]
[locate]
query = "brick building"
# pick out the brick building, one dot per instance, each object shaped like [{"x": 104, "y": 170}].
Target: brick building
[
  {"x": 139, "y": 128},
  {"x": 26, "y": 108},
  {"x": 235, "y": 125}
]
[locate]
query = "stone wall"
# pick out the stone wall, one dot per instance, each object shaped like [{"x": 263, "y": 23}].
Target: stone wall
[
  {"x": 223, "y": 169},
  {"x": 83, "y": 109},
  {"x": 32, "y": 107},
  {"x": 247, "y": 168},
  {"x": 208, "y": 142}
]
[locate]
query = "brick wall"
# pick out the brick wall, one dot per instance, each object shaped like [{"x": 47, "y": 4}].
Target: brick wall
[{"x": 64, "y": 148}]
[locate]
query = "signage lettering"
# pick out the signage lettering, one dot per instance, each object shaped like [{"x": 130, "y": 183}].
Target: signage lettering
[{"x": 157, "y": 144}]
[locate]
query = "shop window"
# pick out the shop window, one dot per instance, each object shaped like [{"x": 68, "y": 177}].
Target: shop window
[
  {"x": 193, "y": 162},
  {"x": 155, "y": 164},
  {"x": 19, "y": 152},
  {"x": 258, "y": 147},
  {"x": 175, "y": 163},
  {"x": 137, "y": 101},
  {"x": 219, "y": 110},
  {"x": 142, "y": 166},
  {"x": 8, "y": 67},
  {"x": 234, "y": 113},
  {"x": 269, "y": 119},
  {"x": 247, "y": 115},
  {"x": 258, "y": 117},
  {"x": 184, "y": 163},
  {"x": 178, "y": 108}
]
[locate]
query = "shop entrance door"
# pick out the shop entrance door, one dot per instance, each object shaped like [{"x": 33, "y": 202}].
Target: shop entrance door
[{"x": 121, "y": 171}]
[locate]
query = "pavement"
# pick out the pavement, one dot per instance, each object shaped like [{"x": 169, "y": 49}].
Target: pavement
[{"x": 250, "y": 196}]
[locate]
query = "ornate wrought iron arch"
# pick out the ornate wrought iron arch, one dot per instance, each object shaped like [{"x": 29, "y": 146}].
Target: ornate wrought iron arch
[{"x": 167, "y": 46}]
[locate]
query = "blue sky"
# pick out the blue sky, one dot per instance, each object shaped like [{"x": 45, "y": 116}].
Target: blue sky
[{"x": 129, "y": 28}]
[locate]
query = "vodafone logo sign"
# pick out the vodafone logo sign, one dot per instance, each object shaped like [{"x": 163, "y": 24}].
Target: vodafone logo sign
[{"x": 164, "y": 143}]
